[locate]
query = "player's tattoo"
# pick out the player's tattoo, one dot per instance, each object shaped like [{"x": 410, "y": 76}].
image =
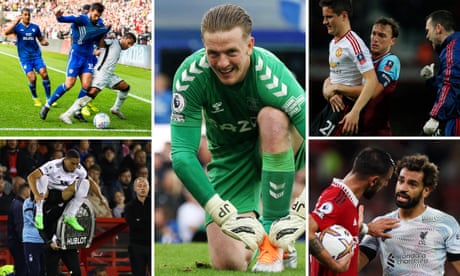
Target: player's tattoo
[{"x": 315, "y": 246}]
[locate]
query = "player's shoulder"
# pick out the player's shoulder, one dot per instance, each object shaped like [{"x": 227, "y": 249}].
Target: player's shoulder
[
  {"x": 261, "y": 55},
  {"x": 193, "y": 70},
  {"x": 391, "y": 57},
  {"x": 433, "y": 215}
]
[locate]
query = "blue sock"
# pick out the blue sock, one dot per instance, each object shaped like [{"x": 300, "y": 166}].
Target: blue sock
[
  {"x": 82, "y": 93},
  {"x": 47, "y": 86},
  {"x": 60, "y": 90},
  {"x": 33, "y": 89}
]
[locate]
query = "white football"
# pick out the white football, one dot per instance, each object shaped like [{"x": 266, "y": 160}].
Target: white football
[
  {"x": 101, "y": 120},
  {"x": 337, "y": 240}
]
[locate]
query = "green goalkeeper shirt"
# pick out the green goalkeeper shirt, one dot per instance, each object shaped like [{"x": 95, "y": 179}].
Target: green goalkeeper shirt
[{"x": 229, "y": 112}]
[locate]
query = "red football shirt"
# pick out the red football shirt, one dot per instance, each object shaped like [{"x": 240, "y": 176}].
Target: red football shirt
[{"x": 337, "y": 204}]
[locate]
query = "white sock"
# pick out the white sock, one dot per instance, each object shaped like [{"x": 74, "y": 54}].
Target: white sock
[
  {"x": 121, "y": 97},
  {"x": 81, "y": 192},
  {"x": 77, "y": 104}
]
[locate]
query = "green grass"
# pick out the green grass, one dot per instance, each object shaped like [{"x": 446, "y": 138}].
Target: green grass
[
  {"x": 19, "y": 117},
  {"x": 193, "y": 258}
]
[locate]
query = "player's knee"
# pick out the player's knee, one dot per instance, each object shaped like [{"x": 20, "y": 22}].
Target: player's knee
[
  {"x": 271, "y": 115},
  {"x": 230, "y": 261},
  {"x": 272, "y": 120},
  {"x": 125, "y": 88}
]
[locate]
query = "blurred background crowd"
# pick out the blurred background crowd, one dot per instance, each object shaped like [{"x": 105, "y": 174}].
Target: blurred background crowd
[
  {"x": 134, "y": 16},
  {"x": 112, "y": 164}
]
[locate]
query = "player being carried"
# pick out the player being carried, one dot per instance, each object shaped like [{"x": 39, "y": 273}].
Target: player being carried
[
  {"x": 29, "y": 52},
  {"x": 55, "y": 176},
  {"x": 87, "y": 30},
  {"x": 104, "y": 77}
]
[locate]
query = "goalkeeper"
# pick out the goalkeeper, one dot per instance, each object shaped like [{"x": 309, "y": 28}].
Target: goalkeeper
[{"x": 254, "y": 112}]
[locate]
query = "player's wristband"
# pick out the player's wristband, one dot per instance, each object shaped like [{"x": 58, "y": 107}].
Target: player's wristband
[{"x": 364, "y": 229}]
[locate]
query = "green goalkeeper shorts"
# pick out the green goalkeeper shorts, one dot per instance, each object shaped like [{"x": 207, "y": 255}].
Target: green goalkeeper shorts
[{"x": 236, "y": 176}]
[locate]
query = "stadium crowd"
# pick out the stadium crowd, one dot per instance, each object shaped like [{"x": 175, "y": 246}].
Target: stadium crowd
[
  {"x": 114, "y": 165},
  {"x": 125, "y": 16}
]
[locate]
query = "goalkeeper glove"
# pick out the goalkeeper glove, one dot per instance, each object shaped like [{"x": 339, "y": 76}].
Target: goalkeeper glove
[
  {"x": 427, "y": 72},
  {"x": 431, "y": 126},
  {"x": 247, "y": 229},
  {"x": 286, "y": 230}
]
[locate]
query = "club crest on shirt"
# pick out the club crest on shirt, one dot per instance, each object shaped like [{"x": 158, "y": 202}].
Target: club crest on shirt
[
  {"x": 338, "y": 52},
  {"x": 361, "y": 58}
]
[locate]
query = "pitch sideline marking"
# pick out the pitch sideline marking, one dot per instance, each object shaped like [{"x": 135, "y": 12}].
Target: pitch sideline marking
[
  {"x": 62, "y": 72},
  {"x": 78, "y": 129}
]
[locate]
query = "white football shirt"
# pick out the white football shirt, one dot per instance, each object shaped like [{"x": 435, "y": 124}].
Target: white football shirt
[
  {"x": 349, "y": 57},
  {"x": 418, "y": 246},
  {"x": 58, "y": 178}
]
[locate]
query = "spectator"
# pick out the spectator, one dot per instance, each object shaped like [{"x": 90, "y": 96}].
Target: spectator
[
  {"x": 163, "y": 97},
  {"x": 88, "y": 161},
  {"x": 5, "y": 198},
  {"x": 190, "y": 217},
  {"x": 142, "y": 171},
  {"x": 101, "y": 207},
  {"x": 8, "y": 157},
  {"x": 124, "y": 183},
  {"x": 109, "y": 168},
  {"x": 29, "y": 159},
  {"x": 84, "y": 148},
  {"x": 136, "y": 157},
  {"x": 138, "y": 216},
  {"x": 119, "y": 200}
]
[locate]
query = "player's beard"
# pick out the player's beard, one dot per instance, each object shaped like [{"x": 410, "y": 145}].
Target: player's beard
[
  {"x": 370, "y": 191},
  {"x": 411, "y": 202}
]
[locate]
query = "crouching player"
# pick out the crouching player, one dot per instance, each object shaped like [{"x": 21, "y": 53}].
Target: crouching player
[
  {"x": 103, "y": 76},
  {"x": 254, "y": 110}
]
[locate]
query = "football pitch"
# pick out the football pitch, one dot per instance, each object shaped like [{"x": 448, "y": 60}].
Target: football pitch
[
  {"x": 19, "y": 117},
  {"x": 193, "y": 258}
]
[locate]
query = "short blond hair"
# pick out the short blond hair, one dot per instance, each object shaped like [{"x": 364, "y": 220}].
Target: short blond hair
[{"x": 225, "y": 18}]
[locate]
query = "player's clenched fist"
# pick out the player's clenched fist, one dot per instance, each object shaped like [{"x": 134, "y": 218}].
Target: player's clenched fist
[{"x": 244, "y": 228}]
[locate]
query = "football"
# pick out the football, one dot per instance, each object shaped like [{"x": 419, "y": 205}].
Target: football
[
  {"x": 101, "y": 120},
  {"x": 337, "y": 240}
]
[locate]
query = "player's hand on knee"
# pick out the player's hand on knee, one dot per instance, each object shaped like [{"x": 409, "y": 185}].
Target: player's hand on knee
[
  {"x": 247, "y": 229},
  {"x": 285, "y": 231}
]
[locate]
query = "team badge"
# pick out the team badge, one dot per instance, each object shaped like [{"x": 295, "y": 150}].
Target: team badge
[
  {"x": 70, "y": 238},
  {"x": 338, "y": 52},
  {"x": 361, "y": 58},
  {"x": 388, "y": 65}
]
